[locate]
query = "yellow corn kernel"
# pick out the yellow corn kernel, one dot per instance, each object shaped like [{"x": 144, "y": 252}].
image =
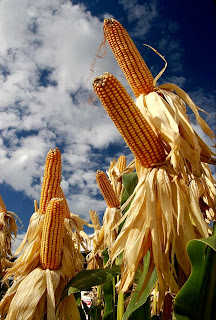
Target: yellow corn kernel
[
  {"x": 2, "y": 206},
  {"x": 136, "y": 131},
  {"x": 52, "y": 178},
  {"x": 52, "y": 235},
  {"x": 94, "y": 219},
  {"x": 121, "y": 163},
  {"x": 67, "y": 210},
  {"x": 106, "y": 189},
  {"x": 128, "y": 57}
]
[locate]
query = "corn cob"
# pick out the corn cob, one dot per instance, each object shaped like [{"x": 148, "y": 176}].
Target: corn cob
[
  {"x": 121, "y": 163},
  {"x": 52, "y": 178},
  {"x": 136, "y": 131},
  {"x": 95, "y": 220},
  {"x": 128, "y": 57},
  {"x": 106, "y": 189},
  {"x": 52, "y": 235}
]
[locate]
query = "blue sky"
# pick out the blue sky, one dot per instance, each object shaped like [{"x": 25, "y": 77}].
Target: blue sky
[{"x": 46, "y": 52}]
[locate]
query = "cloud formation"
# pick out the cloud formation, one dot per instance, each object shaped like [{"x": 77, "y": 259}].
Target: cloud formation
[
  {"x": 46, "y": 53},
  {"x": 45, "y": 59}
]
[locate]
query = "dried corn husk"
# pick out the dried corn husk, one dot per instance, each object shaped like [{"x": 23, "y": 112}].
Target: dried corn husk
[
  {"x": 166, "y": 111},
  {"x": 94, "y": 258},
  {"x": 8, "y": 228},
  {"x": 28, "y": 274},
  {"x": 40, "y": 292},
  {"x": 104, "y": 237},
  {"x": 110, "y": 220},
  {"x": 48, "y": 284},
  {"x": 95, "y": 221},
  {"x": 115, "y": 176},
  {"x": 166, "y": 203},
  {"x": 163, "y": 209}
]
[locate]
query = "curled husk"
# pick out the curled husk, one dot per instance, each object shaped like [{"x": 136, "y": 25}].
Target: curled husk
[
  {"x": 42, "y": 287},
  {"x": 8, "y": 229},
  {"x": 165, "y": 211}
]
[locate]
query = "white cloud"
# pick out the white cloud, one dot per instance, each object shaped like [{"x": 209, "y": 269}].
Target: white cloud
[
  {"x": 177, "y": 80},
  {"x": 47, "y": 49},
  {"x": 143, "y": 14}
]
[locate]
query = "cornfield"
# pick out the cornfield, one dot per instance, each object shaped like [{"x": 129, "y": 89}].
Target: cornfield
[{"x": 153, "y": 256}]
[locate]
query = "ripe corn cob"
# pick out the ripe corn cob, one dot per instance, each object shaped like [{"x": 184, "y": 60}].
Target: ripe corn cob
[
  {"x": 107, "y": 190},
  {"x": 52, "y": 178},
  {"x": 95, "y": 220},
  {"x": 136, "y": 131},
  {"x": 128, "y": 57},
  {"x": 52, "y": 235},
  {"x": 121, "y": 163}
]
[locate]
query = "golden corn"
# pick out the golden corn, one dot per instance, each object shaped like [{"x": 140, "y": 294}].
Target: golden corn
[
  {"x": 121, "y": 163},
  {"x": 2, "y": 206},
  {"x": 94, "y": 219},
  {"x": 106, "y": 189},
  {"x": 67, "y": 210},
  {"x": 128, "y": 57},
  {"x": 52, "y": 178},
  {"x": 52, "y": 235},
  {"x": 136, "y": 131}
]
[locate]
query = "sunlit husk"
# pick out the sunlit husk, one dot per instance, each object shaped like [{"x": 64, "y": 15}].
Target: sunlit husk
[
  {"x": 164, "y": 207},
  {"x": 105, "y": 237},
  {"x": 166, "y": 203},
  {"x": 35, "y": 223},
  {"x": 94, "y": 258},
  {"x": 27, "y": 266},
  {"x": 95, "y": 220},
  {"x": 115, "y": 175},
  {"x": 110, "y": 219},
  {"x": 39, "y": 294},
  {"x": 29, "y": 259},
  {"x": 204, "y": 190},
  {"x": 75, "y": 227},
  {"x": 50, "y": 283},
  {"x": 8, "y": 229},
  {"x": 166, "y": 111},
  {"x": 72, "y": 259}
]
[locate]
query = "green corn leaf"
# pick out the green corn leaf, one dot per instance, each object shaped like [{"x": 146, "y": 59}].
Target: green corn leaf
[
  {"x": 86, "y": 279},
  {"x": 134, "y": 304},
  {"x": 108, "y": 299},
  {"x": 143, "y": 312},
  {"x": 108, "y": 293},
  {"x": 129, "y": 181},
  {"x": 196, "y": 299}
]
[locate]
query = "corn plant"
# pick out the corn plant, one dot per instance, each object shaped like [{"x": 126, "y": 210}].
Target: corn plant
[{"x": 154, "y": 255}]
